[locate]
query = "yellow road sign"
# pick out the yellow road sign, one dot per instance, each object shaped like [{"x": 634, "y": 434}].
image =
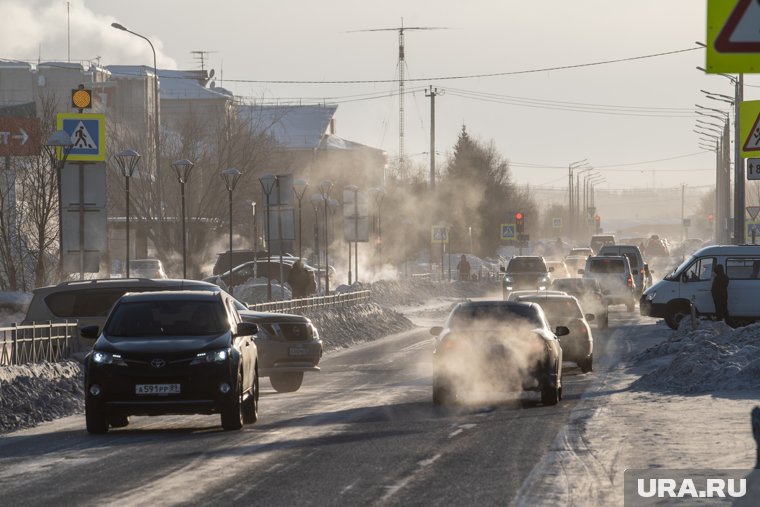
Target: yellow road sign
[
  {"x": 733, "y": 41},
  {"x": 87, "y": 133},
  {"x": 749, "y": 128}
]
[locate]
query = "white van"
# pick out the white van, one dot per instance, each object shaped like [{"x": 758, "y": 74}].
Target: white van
[{"x": 692, "y": 280}]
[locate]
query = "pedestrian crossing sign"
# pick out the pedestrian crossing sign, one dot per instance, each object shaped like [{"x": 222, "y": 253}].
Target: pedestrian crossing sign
[
  {"x": 440, "y": 234},
  {"x": 508, "y": 231},
  {"x": 87, "y": 133}
]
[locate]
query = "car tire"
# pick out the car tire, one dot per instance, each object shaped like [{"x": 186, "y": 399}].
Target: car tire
[
  {"x": 550, "y": 395},
  {"x": 232, "y": 413},
  {"x": 441, "y": 394},
  {"x": 586, "y": 364},
  {"x": 286, "y": 382},
  {"x": 675, "y": 314},
  {"x": 95, "y": 419},
  {"x": 251, "y": 404},
  {"x": 118, "y": 421}
]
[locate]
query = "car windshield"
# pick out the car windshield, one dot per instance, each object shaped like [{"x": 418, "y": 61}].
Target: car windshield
[
  {"x": 606, "y": 266},
  {"x": 560, "y": 310},
  {"x": 167, "y": 318},
  {"x": 466, "y": 317},
  {"x": 526, "y": 265},
  {"x": 678, "y": 269}
]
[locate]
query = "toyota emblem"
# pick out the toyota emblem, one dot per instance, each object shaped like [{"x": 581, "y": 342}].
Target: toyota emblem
[{"x": 158, "y": 363}]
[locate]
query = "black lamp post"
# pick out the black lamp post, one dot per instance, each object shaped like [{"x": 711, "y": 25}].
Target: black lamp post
[
  {"x": 230, "y": 177},
  {"x": 127, "y": 161},
  {"x": 59, "y": 145},
  {"x": 182, "y": 169},
  {"x": 268, "y": 181},
  {"x": 299, "y": 189},
  {"x": 324, "y": 188}
]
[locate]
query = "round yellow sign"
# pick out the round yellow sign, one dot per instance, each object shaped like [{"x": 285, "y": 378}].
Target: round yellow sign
[{"x": 81, "y": 99}]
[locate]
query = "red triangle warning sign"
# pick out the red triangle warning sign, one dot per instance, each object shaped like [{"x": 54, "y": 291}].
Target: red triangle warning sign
[{"x": 740, "y": 34}]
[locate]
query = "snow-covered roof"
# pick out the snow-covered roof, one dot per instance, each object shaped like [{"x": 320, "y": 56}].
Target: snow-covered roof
[
  {"x": 293, "y": 127},
  {"x": 174, "y": 84}
]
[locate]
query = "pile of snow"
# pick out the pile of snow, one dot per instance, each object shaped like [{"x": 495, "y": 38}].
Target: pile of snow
[
  {"x": 30, "y": 394},
  {"x": 713, "y": 357}
]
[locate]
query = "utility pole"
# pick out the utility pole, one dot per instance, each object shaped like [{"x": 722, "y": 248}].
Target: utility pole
[
  {"x": 683, "y": 224},
  {"x": 738, "y": 166},
  {"x": 432, "y": 92}
]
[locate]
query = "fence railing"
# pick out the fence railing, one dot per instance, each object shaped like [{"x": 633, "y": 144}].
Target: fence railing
[
  {"x": 37, "y": 342},
  {"x": 304, "y": 304}
]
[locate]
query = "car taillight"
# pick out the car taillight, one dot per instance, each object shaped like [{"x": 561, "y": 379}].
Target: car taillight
[{"x": 630, "y": 282}]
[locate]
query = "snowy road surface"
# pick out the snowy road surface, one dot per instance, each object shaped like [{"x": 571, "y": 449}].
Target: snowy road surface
[{"x": 364, "y": 432}]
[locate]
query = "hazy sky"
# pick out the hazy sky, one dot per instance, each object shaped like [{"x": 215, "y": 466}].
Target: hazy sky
[{"x": 251, "y": 41}]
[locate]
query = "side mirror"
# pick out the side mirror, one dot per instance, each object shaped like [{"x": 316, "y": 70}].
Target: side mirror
[
  {"x": 590, "y": 317},
  {"x": 581, "y": 271},
  {"x": 89, "y": 332},
  {"x": 436, "y": 330},
  {"x": 502, "y": 269},
  {"x": 562, "y": 331},
  {"x": 247, "y": 329}
]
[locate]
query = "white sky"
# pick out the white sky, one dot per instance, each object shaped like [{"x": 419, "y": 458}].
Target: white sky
[{"x": 289, "y": 40}]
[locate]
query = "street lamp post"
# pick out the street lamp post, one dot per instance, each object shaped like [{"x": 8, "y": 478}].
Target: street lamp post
[
  {"x": 155, "y": 103},
  {"x": 316, "y": 202},
  {"x": 230, "y": 177},
  {"x": 406, "y": 223},
  {"x": 324, "y": 188},
  {"x": 59, "y": 140},
  {"x": 182, "y": 169},
  {"x": 570, "y": 212},
  {"x": 127, "y": 161},
  {"x": 268, "y": 182},
  {"x": 378, "y": 194},
  {"x": 299, "y": 189}
]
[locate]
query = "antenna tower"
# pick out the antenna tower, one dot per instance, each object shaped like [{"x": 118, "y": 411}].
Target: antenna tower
[
  {"x": 201, "y": 56},
  {"x": 401, "y": 64}
]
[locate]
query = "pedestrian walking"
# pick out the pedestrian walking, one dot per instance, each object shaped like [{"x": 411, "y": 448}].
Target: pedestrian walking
[
  {"x": 464, "y": 268},
  {"x": 719, "y": 293}
]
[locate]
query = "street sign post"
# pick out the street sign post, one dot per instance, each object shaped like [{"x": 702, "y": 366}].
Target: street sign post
[
  {"x": 557, "y": 223},
  {"x": 440, "y": 234},
  {"x": 83, "y": 194},
  {"x": 749, "y": 128},
  {"x": 733, "y": 41},
  {"x": 753, "y": 168},
  {"x": 88, "y": 136},
  {"x": 753, "y": 211},
  {"x": 508, "y": 232}
]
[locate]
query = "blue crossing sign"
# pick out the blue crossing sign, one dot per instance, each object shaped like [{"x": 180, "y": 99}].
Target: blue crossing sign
[
  {"x": 87, "y": 133},
  {"x": 440, "y": 234},
  {"x": 508, "y": 231}
]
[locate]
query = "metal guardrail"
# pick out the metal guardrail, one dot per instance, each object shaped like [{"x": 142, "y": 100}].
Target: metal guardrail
[
  {"x": 34, "y": 343},
  {"x": 303, "y": 304}
]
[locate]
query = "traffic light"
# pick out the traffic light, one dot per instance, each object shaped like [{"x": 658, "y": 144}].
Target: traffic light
[
  {"x": 597, "y": 221},
  {"x": 710, "y": 218},
  {"x": 519, "y": 222}
]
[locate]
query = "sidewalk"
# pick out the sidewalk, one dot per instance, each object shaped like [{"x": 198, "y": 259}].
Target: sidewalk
[{"x": 617, "y": 427}]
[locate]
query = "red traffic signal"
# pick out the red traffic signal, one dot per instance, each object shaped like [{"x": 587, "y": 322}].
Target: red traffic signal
[
  {"x": 597, "y": 219},
  {"x": 518, "y": 216},
  {"x": 519, "y": 222},
  {"x": 710, "y": 217}
]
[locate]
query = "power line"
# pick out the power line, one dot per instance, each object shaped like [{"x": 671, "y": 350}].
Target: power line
[
  {"x": 545, "y": 166},
  {"x": 467, "y": 76}
]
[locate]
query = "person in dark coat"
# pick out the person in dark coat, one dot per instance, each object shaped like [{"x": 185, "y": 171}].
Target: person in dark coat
[
  {"x": 464, "y": 268},
  {"x": 719, "y": 292},
  {"x": 299, "y": 280}
]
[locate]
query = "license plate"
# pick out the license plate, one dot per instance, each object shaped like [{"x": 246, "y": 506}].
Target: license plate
[
  {"x": 298, "y": 351},
  {"x": 157, "y": 389}
]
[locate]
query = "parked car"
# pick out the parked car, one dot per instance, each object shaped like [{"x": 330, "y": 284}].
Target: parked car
[
  {"x": 589, "y": 294},
  {"x": 496, "y": 342},
  {"x": 671, "y": 297},
  {"x": 525, "y": 272},
  {"x": 578, "y": 344},
  {"x": 178, "y": 352},
  {"x": 599, "y": 240},
  {"x": 639, "y": 268},
  {"x": 288, "y": 346},
  {"x": 89, "y": 301},
  {"x": 147, "y": 268},
  {"x": 259, "y": 269},
  {"x": 615, "y": 277},
  {"x": 580, "y": 252}
]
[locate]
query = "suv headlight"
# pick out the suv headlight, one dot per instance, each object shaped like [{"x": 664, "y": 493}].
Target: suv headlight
[
  {"x": 507, "y": 279},
  {"x": 107, "y": 358},
  {"x": 215, "y": 356},
  {"x": 650, "y": 297}
]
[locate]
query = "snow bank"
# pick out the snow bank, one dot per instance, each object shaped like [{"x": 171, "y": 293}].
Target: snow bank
[
  {"x": 342, "y": 327},
  {"x": 713, "y": 357}
]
